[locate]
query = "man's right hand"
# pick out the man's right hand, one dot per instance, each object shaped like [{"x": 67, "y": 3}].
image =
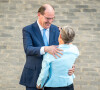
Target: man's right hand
[{"x": 53, "y": 50}]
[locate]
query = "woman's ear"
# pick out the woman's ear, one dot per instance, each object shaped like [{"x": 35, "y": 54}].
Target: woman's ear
[
  {"x": 60, "y": 36},
  {"x": 60, "y": 40}
]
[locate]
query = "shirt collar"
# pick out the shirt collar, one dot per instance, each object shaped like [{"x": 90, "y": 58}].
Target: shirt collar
[{"x": 40, "y": 27}]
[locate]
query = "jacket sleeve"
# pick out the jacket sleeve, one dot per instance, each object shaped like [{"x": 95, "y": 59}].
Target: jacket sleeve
[
  {"x": 44, "y": 71},
  {"x": 28, "y": 45}
]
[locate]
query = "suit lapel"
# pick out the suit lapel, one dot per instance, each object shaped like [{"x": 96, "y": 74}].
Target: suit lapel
[
  {"x": 51, "y": 35},
  {"x": 38, "y": 33}
]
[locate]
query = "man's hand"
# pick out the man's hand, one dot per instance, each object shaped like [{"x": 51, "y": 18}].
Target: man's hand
[
  {"x": 39, "y": 87},
  {"x": 53, "y": 50},
  {"x": 72, "y": 70},
  {"x": 59, "y": 28}
]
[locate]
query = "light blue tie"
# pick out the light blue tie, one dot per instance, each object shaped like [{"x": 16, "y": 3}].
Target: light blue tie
[{"x": 45, "y": 38}]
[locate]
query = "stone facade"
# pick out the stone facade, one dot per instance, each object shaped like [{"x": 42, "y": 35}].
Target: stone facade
[{"x": 82, "y": 15}]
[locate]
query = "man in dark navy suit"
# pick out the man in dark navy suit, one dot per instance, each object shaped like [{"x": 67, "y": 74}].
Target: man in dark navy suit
[{"x": 39, "y": 38}]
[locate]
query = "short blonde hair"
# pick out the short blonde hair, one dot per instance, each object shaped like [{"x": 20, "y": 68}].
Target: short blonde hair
[{"x": 67, "y": 34}]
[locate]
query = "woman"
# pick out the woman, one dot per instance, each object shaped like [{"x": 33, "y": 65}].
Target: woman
[{"x": 54, "y": 72}]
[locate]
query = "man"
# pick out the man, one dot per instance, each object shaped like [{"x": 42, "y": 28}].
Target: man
[{"x": 39, "y": 38}]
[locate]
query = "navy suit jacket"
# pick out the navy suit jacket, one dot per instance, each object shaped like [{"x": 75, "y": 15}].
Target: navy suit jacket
[{"x": 32, "y": 42}]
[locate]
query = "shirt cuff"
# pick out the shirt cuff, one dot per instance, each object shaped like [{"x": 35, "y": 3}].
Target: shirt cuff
[
  {"x": 73, "y": 76},
  {"x": 42, "y": 51}
]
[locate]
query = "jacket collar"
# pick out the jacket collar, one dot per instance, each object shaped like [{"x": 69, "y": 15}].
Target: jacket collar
[{"x": 39, "y": 35}]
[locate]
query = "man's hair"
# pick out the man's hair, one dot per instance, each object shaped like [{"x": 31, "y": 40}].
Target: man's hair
[
  {"x": 42, "y": 9},
  {"x": 67, "y": 34}
]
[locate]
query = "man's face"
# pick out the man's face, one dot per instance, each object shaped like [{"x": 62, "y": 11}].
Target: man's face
[{"x": 46, "y": 20}]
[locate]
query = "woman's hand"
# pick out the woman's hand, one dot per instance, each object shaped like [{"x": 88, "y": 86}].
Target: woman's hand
[{"x": 39, "y": 87}]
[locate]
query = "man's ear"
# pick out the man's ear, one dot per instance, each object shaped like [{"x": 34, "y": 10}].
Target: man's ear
[{"x": 38, "y": 14}]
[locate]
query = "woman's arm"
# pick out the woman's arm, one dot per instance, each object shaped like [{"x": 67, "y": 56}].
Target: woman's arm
[{"x": 44, "y": 71}]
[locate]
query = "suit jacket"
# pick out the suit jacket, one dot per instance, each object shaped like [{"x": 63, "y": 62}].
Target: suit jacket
[
  {"x": 54, "y": 72},
  {"x": 32, "y": 42}
]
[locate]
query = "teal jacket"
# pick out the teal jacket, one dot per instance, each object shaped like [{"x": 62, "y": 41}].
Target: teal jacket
[{"x": 54, "y": 72}]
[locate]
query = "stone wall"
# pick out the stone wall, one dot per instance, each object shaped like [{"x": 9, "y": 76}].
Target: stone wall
[{"x": 82, "y": 15}]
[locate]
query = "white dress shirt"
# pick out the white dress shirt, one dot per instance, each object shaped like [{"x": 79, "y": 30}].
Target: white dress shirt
[{"x": 47, "y": 35}]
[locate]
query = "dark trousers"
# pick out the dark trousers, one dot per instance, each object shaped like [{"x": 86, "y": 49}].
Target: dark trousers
[
  {"x": 70, "y": 87},
  {"x": 32, "y": 88}
]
